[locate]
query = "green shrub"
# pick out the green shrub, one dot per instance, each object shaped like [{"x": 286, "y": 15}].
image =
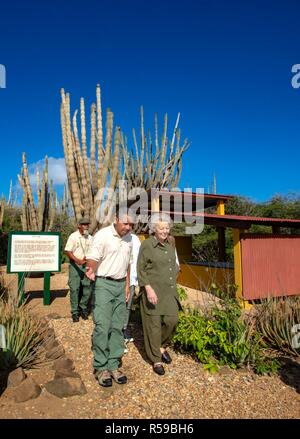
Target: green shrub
[
  {"x": 181, "y": 293},
  {"x": 221, "y": 336}
]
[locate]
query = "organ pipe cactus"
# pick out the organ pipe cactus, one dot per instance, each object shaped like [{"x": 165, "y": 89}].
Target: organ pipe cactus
[
  {"x": 85, "y": 179},
  {"x": 41, "y": 217},
  {"x": 147, "y": 164}
]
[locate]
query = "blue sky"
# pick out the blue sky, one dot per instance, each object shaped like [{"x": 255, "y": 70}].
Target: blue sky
[{"x": 224, "y": 65}]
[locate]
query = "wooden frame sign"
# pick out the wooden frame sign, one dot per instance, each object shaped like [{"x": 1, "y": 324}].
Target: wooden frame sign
[{"x": 32, "y": 252}]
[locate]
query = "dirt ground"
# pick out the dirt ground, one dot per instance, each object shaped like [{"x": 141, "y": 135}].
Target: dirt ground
[{"x": 186, "y": 391}]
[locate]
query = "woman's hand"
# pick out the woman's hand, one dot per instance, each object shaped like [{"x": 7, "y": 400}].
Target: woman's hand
[{"x": 151, "y": 294}]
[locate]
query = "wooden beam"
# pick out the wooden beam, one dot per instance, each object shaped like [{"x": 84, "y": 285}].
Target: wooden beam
[
  {"x": 221, "y": 207},
  {"x": 238, "y": 273}
]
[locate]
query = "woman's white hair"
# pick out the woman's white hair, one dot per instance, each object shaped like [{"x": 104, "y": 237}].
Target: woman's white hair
[{"x": 159, "y": 217}]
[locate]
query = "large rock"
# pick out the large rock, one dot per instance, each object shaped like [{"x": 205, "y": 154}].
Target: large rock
[
  {"x": 16, "y": 377},
  {"x": 63, "y": 363},
  {"x": 64, "y": 373},
  {"x": 65, "y": 387},
  {"x": 50, "y": 344},
  {"x": 28, "y": 389},
  {"x": 57, "y": 351}
]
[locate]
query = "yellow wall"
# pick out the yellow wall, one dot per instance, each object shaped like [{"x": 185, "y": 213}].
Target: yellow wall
[
  {"x": 201, "y": 277},
  {"x": 184, "y": 248}
]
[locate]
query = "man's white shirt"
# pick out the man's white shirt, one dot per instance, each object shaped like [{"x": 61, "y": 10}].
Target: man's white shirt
[
  {"x": 78, "y": 244},
  {"x": 112, "y": 252}
]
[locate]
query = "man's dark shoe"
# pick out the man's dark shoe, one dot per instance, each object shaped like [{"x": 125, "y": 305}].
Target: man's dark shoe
[
  {"x": 119, "y": 376},
  {"x": 103, "y": 377},
  {"x": 165, "y": 356},
  {"x": 159, "y": 369},
  {"x": 84, "y": 315},
  {"x": 75, "y": 318}
]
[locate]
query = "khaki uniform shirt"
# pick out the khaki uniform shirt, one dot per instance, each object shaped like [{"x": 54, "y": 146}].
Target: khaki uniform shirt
[
  {"x": 157, "y": 267},
  {"x": 114, "y": 253},
  {"x": 78, "y": 244}
]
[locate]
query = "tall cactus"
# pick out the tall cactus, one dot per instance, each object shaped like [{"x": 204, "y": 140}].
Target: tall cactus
[
  {"x": 145, "y": 166},
  {"x": 154, "y": 169},
  {"x": 65, "y": 204},
  {"x": 84, "y": 181},
  {"x": 40, "y": 217}
]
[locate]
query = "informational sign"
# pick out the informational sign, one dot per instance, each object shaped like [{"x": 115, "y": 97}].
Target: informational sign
[{"x": 30, "y": 252}]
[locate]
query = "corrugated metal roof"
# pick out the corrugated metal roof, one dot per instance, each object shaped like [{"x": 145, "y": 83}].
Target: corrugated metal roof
[
  {"x": 280, "y": 222},
  {"x": 209, "y": 200},
  {"x": 236, "y": 221}
]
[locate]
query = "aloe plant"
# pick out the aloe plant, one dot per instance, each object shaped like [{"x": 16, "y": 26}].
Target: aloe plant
[
  {"x": 276, "y": 319},
  {"x": 23, "y": 334}
]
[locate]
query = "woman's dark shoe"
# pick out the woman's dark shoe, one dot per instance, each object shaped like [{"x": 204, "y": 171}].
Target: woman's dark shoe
[
  {"x": 75, "y": 318},
  {"x": 158, "y": 368},
  {"x": 165, "y": 356}
]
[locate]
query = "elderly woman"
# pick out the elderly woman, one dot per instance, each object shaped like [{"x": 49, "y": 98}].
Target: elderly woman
[{"x": 157, "y": 270}]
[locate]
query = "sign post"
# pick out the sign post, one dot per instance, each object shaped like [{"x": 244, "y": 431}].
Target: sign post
[
  {"x": 33, "y": 252},
  {"x": 47, "y": 297}
]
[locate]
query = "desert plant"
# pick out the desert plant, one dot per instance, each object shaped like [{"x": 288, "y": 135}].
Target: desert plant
[
  {"x": 40, "y": 217},
  {"x": 3, "y": 288},
  {"x": 181, "y": 293},
  {"x": 148, "y": 165},
  {"x": 24, "y": 336},
  {"x": 277, "y": 320},
  {"x": 220, "y": 335}
]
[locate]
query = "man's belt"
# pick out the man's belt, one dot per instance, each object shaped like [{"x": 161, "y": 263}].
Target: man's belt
[{"x": 111, "y": 278}]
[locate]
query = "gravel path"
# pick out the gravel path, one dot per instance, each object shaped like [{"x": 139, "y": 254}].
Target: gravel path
[{"x": 186, "y": 391}]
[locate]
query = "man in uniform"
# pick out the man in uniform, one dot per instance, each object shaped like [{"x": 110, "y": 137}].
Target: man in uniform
[
  {"x": 76, "y": 249},
  {"x": 108, "y": 263}
]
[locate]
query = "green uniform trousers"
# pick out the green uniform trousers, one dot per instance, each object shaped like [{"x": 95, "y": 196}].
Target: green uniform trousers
[
  {"x": 109, "y": 315},
  {"x": 78, "y": 284},
  {"x": 157, "y": 331}
]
